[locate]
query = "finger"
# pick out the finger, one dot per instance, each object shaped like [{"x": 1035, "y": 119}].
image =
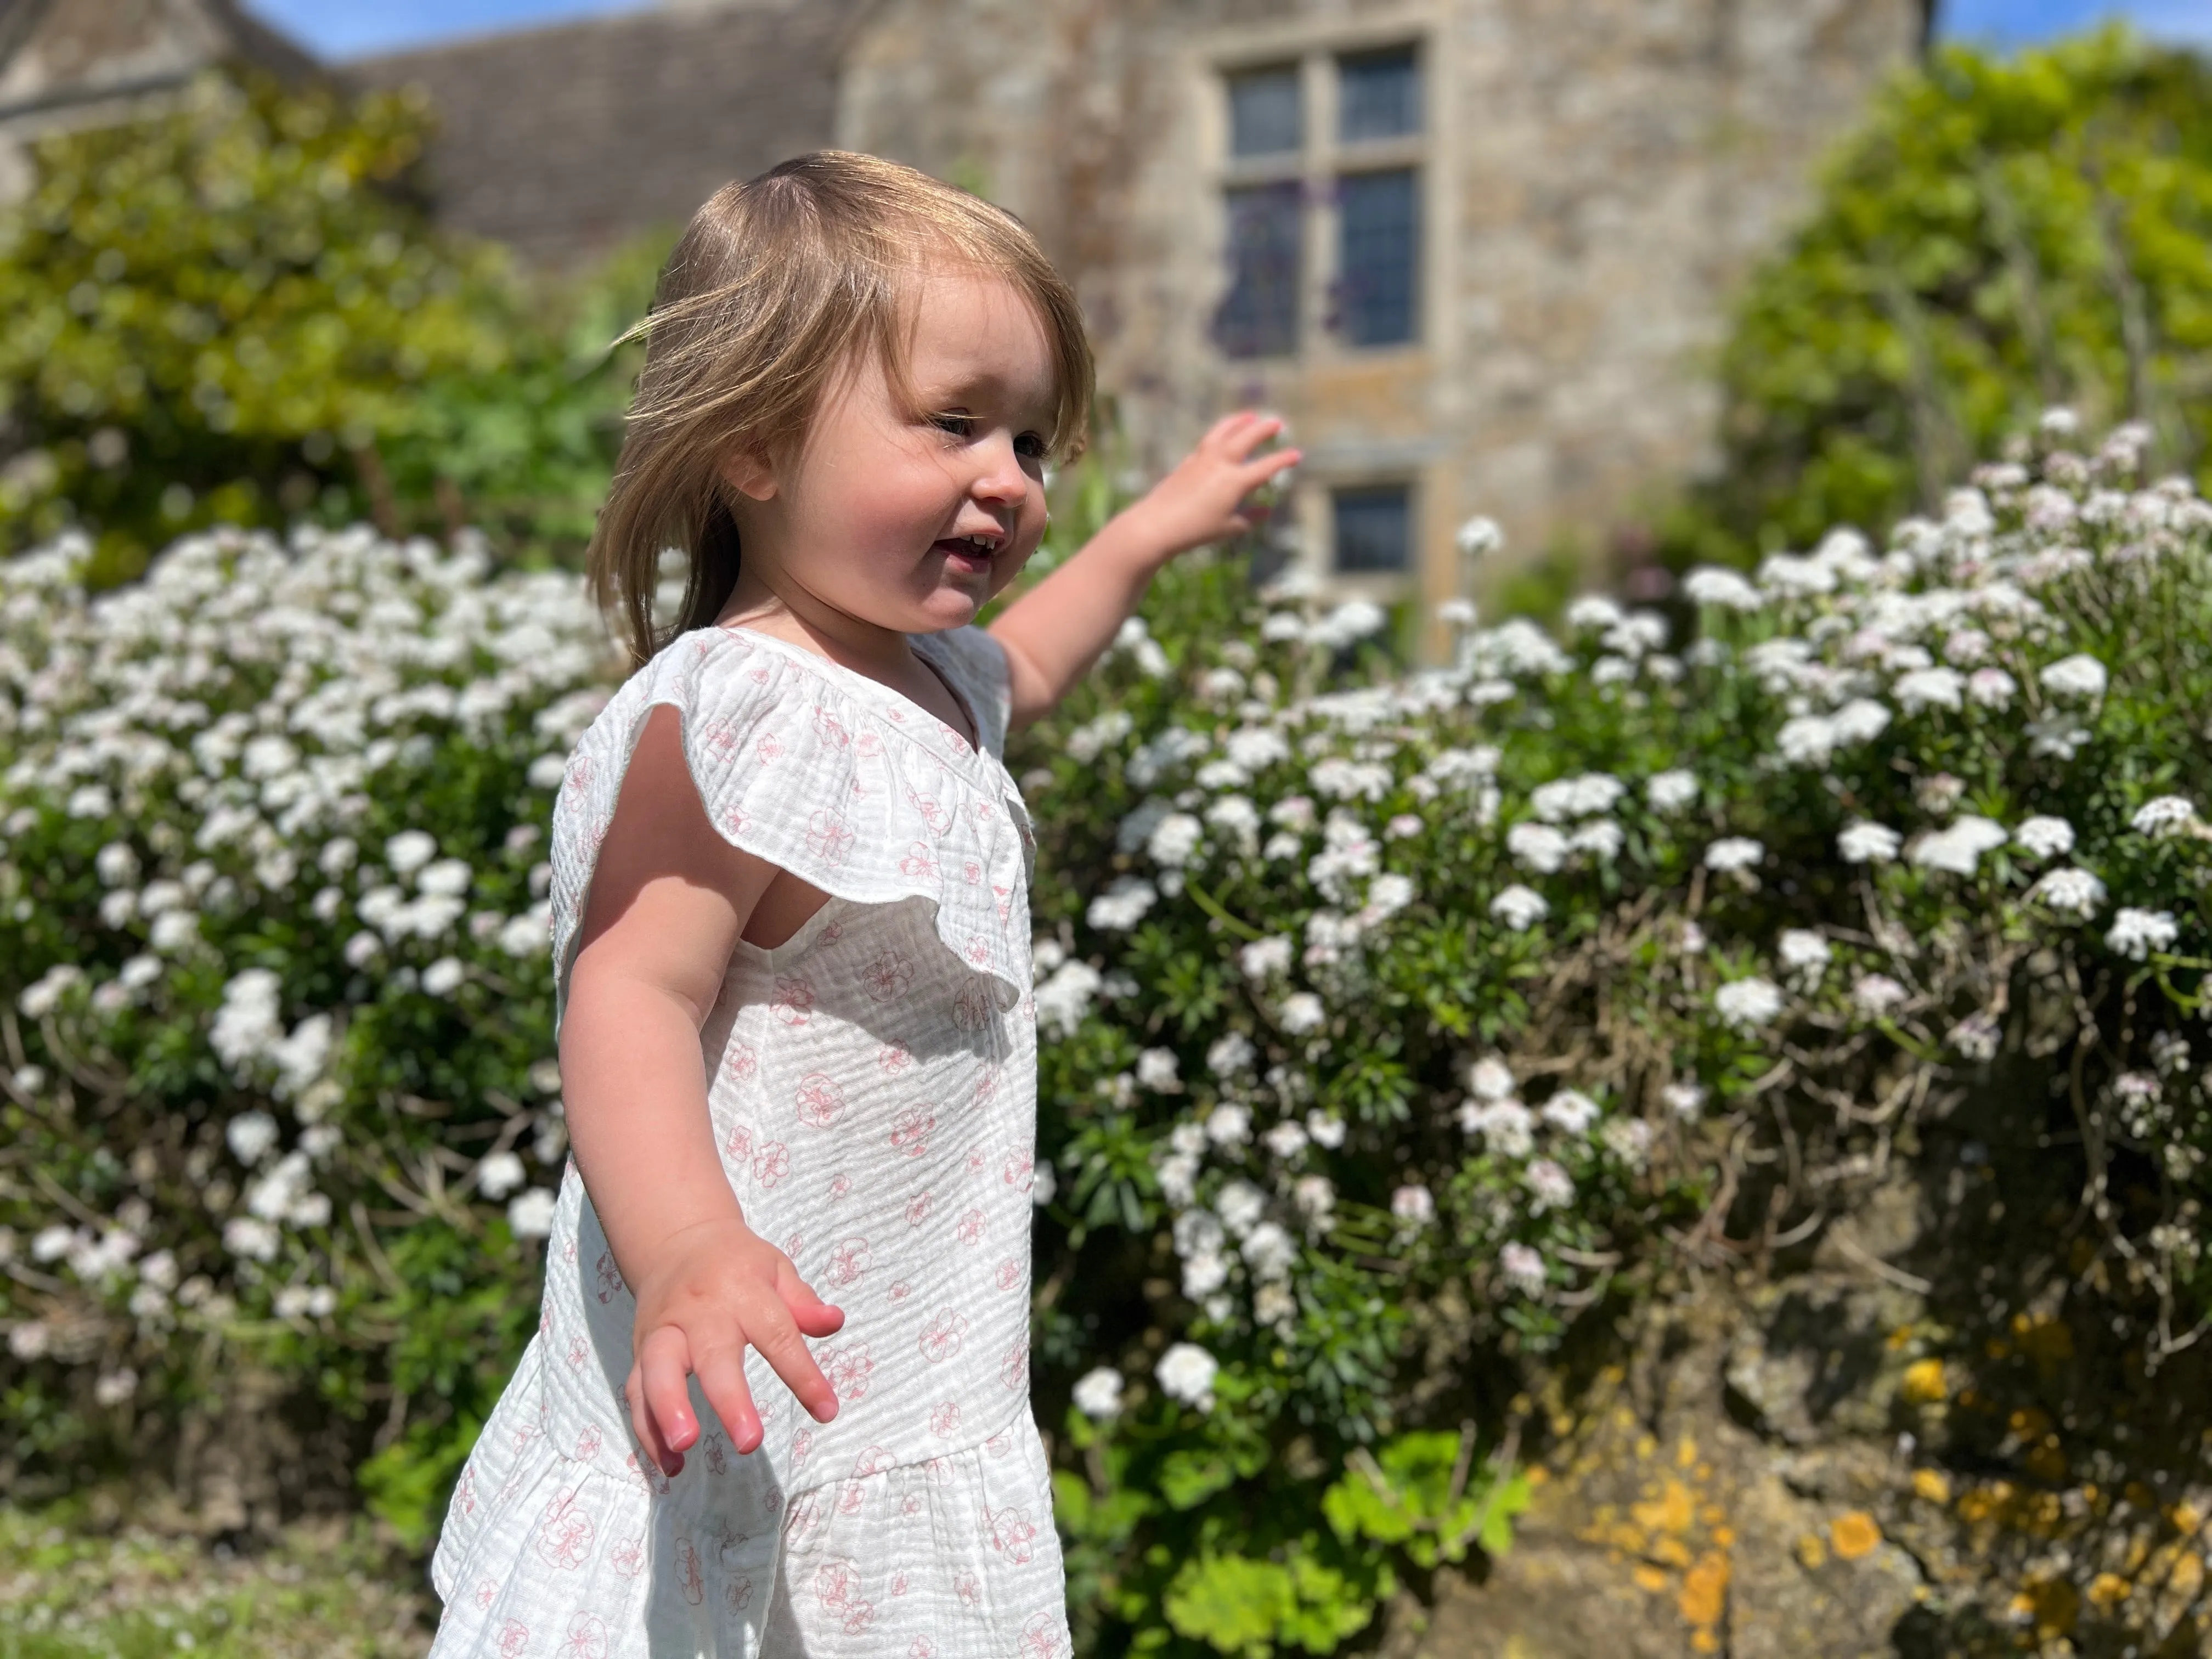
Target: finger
[
  {"x": 666, "y": 1363},
  {"x": 722, "y": 1379},
  {"x": 1221, "y": 430},
  {"x": 1267, "y": 467},
  {"x": 1240, "y": 443},
  {"x": 642, "y": 1425},
  {"x": 809, "y": 1312},
  {"x": 780, "y": 1345}
]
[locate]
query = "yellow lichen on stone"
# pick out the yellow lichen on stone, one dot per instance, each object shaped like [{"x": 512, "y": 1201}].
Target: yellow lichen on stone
[
  {"x": 1932, "y": 1485},
  {"x": 1854, "y": 1534},
  {"x": 1648, "y": 1577},
  {"x": 2188, "y": 1575},
  {"x": 1686, "y": 1453},
  {"x": 1994, "y": 1503},
  {"x": 1811, "y": 1552},
  {"x": 1925, "y": 1383},
  {"x": 2107, "y": 1591},
  {"x": 1672, "y": 1511},
  {"x": 1705, "y": 1590},
  {"x": 2186, "y": 1517}
]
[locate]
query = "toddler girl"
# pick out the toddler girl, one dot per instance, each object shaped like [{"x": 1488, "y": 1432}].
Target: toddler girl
[{"x": 792, "y": 942}]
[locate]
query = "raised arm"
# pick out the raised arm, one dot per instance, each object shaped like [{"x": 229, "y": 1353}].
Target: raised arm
[
  {"x": 1053, "y": 633},
  {"x": 669, "y": 899}
]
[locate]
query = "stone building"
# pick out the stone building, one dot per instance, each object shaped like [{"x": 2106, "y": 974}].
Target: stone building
[
  {"x": 1479, "y": 252},
  {"x": 67, "y": 64}
]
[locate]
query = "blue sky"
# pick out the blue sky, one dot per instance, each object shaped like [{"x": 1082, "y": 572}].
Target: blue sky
[
  {"x": 348, "y": 29},
  {"x": 2011, "y": 22}
]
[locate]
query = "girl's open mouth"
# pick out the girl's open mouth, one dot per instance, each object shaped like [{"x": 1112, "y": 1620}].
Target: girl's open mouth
[{"x": 969, "y": 554}]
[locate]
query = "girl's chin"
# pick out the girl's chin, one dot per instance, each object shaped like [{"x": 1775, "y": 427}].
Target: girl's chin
[{"x": 954, "y": 605}]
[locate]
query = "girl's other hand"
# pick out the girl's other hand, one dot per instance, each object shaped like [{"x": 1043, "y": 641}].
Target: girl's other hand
[
  {"x": 1203, "y": 499},
  {"x": 719, "y": 1286}
]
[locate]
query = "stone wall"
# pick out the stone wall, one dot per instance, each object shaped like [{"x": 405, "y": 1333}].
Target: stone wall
[{"x": 1594, "y": 193}]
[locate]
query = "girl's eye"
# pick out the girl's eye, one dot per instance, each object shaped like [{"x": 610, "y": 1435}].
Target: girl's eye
[
  {"x": 960, "y": 426},
  {"x": 1031, "y": 446}
]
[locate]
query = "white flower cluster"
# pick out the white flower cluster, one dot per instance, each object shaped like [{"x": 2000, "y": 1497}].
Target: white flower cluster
[
  {"x": 1324, "y": 845},
  {"x": 256, "y": 737}
]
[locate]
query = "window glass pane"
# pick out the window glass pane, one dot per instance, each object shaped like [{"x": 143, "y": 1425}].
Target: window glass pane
[
  {"x": 1374, "y": 527},
  {"x": 1260, "y": 316},
  {"x": 1379, "y": 94},
  {"x": 1378, "y": 255},
  {"x": 1266, "y": 113}
]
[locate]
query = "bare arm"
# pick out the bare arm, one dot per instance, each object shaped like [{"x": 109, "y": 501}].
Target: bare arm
[
  {"x": 1053, "y": 633},
  {"x": 669, "y": 899}
]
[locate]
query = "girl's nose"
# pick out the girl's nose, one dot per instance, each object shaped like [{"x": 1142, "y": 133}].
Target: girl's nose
[{"x": 999, "y": 476}]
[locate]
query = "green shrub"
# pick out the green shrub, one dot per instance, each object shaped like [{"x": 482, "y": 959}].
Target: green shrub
[
  {"x": 1394, "y": 1025},
  {"x": 234, "y": 314},
  {"x": 2000, "y": 235}
]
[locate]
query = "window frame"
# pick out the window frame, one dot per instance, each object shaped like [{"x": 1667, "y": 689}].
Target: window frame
[
  {"x": 1319, "y": 166},
  {"x": 1406, "y": 484}
]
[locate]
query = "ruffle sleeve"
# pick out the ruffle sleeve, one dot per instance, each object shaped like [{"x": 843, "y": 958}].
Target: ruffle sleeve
[{"x": 845, "y": 785}]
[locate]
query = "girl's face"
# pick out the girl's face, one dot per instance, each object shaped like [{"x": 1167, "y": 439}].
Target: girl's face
[{"x": 906, "y": 520}]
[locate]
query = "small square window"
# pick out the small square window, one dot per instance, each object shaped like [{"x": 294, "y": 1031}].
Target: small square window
[
  {"x": 1259, "y": 317},
  {"x": 1266, "y": 111},
  {"x": 1378, "y": 226},
  {"x": 1378, "y": 95},
  {"x": 1373, "y": 528}
]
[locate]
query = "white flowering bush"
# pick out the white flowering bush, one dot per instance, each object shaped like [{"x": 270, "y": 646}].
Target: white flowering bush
[
  {"x": 276, "y": 1088},
  {"x": 1391, "y": 1026}
]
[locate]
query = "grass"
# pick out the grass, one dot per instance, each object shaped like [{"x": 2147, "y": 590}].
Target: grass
[{"x": 72, "y": 1589}]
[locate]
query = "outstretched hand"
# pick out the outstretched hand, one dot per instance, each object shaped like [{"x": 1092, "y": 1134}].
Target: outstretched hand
[
  {"x": 719, "y": 1288},
  {"x": 1204, "y": 499}
]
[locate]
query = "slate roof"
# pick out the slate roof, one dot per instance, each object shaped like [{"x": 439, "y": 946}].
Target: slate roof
[{"x": 566, "y": 140}]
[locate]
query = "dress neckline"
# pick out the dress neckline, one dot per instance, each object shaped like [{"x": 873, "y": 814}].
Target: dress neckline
[{"x": 969, "y": 749}]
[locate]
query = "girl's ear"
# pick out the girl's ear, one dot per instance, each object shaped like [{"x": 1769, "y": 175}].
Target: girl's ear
[{"x": 748, "y": 470}]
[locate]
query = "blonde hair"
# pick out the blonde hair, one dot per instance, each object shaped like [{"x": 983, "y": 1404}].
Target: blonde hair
[{"x": 776, "y": 283}]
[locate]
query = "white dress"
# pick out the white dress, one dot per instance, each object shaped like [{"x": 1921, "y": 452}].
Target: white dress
[{"x": 873, "y": 1095}]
